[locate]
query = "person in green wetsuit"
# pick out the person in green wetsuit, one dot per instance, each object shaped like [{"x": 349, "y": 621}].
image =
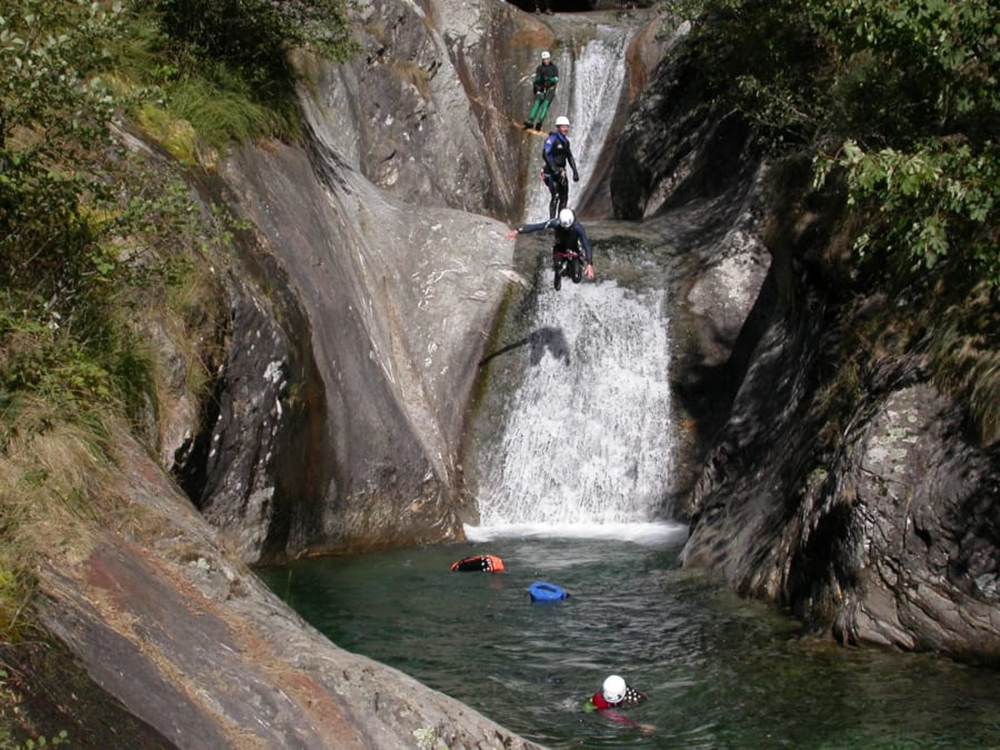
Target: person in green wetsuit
[{"x": 546, "y": 78}]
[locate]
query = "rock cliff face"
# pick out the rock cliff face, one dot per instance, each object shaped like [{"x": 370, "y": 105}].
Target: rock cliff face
[
  {"x": 891, "y": 537},
  {"x": 888, "y": 534},
  {"x": 381, "y": 286},
  {"x": 371, "y": 283},
  {"x": 189, "y": 641}
]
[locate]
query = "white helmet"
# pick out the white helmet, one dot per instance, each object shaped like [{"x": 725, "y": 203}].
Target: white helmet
[
  {"x": 613, "y": 689},
  {"x": 562, "y": 120},
  {"x": 566, "y": 218},
  {"x": 546, "y": 55}
]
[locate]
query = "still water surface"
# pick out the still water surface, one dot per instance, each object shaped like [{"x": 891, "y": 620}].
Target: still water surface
[{"x": 720, "y": 671}]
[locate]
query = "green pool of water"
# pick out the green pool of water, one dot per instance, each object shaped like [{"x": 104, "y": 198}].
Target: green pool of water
[{"x": 719, "y": 671}]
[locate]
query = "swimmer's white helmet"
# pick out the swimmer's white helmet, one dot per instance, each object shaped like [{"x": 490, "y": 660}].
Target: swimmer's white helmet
[
  {"x": 566, "y": 219},
  {"x": 613, "y": 689},
  {"x": 562, "y": 120},
  {"x": 546, "y": 55}
]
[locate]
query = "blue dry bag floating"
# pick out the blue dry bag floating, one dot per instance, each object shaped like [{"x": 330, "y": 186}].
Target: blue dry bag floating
[{"x": 540, "y": 591}]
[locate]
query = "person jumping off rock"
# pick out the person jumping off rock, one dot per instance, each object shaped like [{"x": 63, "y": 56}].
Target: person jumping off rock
[
  {"x": 566, "y": 257},
  {"x": 544, "y": 85},
  {"x": 556, "y": 153}
]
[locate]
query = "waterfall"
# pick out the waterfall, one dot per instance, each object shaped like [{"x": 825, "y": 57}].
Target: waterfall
[
  {"x": 589, "y": 92},
  {"x": 588, "y": 441}
]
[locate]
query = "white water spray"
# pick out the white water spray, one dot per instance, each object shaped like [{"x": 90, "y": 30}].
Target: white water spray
[
  {"x": 587, "y": 445},
  {"x": 588, "y": 440}
]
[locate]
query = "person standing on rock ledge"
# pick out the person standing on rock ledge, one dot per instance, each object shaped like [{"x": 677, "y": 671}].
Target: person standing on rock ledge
[
  {"x": 557, "y": 154},
  {"x": 544, "y": 85}
]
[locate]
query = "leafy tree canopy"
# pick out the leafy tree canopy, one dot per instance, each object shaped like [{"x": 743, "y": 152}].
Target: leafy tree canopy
[{"x": 900, "y": 97}]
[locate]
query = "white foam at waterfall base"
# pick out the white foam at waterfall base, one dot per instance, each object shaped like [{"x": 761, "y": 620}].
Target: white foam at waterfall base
[
  {"x": 589, "y": 93},
  {"x": 653, "y": 534},
  {"x": 587, "y": 444}
]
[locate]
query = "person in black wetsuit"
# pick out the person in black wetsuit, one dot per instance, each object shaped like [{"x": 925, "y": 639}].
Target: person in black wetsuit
[
  {"x": 557, "y": 154},
  {"x": 569, "y": 236},
  {"x": 544, "y": 86}
]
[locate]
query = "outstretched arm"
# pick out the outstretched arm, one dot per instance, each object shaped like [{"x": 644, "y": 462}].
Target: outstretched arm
[{"x": 529, "y": 228}]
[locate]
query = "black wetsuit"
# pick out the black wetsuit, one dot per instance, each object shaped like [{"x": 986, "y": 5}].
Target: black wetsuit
[
  {"x": 557, "y": 154},
  {"x": 546, "y": 76},
  {"x": 567, "y": 240}
]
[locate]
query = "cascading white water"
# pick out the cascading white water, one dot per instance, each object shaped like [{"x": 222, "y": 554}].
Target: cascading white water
[
  {"x": 587, "y": 446},
  {"x": 589, "y": 91},
  {"x": 588, "y": 440}
]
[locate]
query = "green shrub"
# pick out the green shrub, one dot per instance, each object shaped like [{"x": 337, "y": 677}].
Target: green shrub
[{"x": 901, "y": 97}]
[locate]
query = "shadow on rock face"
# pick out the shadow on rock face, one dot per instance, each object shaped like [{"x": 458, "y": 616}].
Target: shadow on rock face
[{"x": 545, "y": 339}]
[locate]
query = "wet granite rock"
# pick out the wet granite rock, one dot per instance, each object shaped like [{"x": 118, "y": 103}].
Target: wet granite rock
[
  {"x": 888, "y": 533},
  {"x": 397, "y": 301},
  {"x": 879, "y": 525},
  {"x": 677, "y": 146},
  {"x": 189, "y": 642},
  {"x": 420, "y": 113}
]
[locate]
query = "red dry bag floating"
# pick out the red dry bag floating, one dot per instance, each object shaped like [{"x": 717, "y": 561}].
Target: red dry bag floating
[{"x": 483, "y": 563}]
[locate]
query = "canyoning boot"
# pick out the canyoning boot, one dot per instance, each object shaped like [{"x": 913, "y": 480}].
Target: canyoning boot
[
  {"x": 538, "y": 125},
  {"x": 527, "y": 124}
]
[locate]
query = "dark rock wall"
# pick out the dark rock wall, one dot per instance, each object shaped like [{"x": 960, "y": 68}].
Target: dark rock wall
[
  {"x": 891, "y": 537},
  {"x": 678, "y": 146},
  {"x": 266, "y": 404},
  {"x": 874, "y": 517}
]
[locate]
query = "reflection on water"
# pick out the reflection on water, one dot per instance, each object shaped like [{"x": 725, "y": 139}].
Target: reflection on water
[{"x": 720, "y": 671}]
